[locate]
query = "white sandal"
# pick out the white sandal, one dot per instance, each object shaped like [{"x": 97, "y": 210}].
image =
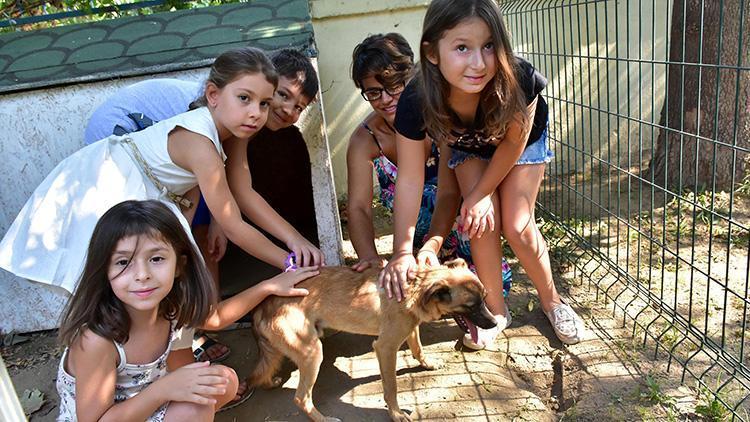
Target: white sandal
[{"x": 479, "y": 338}]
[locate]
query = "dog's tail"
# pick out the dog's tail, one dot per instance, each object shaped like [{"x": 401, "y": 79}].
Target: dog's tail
[{"x": 269, "y": 359}]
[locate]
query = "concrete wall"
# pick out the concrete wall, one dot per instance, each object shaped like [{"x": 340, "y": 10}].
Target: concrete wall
[
  {"x": 42, "y": 127},
  {"x": 339, "y": 26}
]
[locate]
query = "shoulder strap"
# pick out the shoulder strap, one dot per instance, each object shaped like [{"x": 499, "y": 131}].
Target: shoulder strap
[
  {"x": 121, "y": 354},
  {"x": 374, "y": 138},
  {"x": 179, "y": 200}
]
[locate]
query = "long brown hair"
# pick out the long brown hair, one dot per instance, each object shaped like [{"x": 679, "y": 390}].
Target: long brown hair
[
  {"x": 501, "y": 99},
  {"x": 94, "y": 305},
  {"x": 235, "y": 63}
]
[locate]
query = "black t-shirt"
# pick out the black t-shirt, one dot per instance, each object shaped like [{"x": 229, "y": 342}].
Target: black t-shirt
[
  {"x": 280, "y": 168},
  {"x": 409, "y": 120}
]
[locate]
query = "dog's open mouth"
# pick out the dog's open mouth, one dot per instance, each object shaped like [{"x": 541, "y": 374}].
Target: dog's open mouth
[
  {"x": 467, "y": 326},
  {"x": 476, "y": 317}
]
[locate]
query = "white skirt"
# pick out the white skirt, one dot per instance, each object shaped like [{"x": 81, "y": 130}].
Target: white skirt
[{"x": 49, "y": 238}]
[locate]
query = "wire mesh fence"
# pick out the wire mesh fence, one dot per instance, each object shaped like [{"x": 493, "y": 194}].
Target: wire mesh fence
[{"x": 648, "y": 199}]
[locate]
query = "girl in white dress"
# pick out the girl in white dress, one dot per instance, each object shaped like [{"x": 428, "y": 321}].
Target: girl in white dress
[{"x": 47, "y": 241}]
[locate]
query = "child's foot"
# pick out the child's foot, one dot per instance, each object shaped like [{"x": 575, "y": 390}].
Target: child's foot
[
  {"x": 208, "y": 349},
  {"x": 568, "y": 326},
  {"x": 243, "y": 393},
  {"x": 479, "y": 338}
]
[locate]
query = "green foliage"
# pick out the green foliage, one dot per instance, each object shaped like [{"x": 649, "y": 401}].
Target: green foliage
[
  {"x": 711, "y": 408},
  {"x": 706, "y": 213},
  {"x": 710, "y": 405},
  {"x": 653, "y": 393},
  {"x": 571, "y": 414},
  {"x": 671, "y": 336},
  {"x": 743, "y": 188},
  {"x": 14, "y": 9}
]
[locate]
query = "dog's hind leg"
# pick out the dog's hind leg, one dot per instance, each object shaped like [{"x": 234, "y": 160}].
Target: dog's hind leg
[
  {"x": 415, "y": 345},
  {"x": 386, "y": 347},
  {"x": 308, "y": 355},
  {"x": 269, "y": 360}
]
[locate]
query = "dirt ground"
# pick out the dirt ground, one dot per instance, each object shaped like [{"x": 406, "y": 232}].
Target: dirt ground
[{"x": 528, "y": 375}]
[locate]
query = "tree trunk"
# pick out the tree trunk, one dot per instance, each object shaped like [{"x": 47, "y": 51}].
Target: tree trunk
[{"x": 681, "y": 159}]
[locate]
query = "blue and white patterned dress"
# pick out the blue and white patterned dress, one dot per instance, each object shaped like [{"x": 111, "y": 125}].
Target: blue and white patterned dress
[{"x": 131, "y": 380}]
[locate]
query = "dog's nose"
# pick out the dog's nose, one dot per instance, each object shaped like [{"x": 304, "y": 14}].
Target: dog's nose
[{"x": 483, "y": 318}]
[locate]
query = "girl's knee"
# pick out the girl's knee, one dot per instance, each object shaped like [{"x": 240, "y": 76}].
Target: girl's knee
[
  {"x": 521, "y": 232},
  {"x": 229, "y": 373},
  {"x": 232, "y": 386}
]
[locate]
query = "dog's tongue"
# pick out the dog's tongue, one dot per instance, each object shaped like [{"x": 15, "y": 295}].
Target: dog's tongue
[{"x": 472, "y": 330}]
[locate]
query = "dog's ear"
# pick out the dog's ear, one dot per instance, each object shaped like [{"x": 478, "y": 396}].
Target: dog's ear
[
  {"x": 456, "y": 263},
  {"x": 439, "y": 291}
]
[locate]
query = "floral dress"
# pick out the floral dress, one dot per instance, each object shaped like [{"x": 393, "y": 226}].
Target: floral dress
[{"x": 131, "y": 380}]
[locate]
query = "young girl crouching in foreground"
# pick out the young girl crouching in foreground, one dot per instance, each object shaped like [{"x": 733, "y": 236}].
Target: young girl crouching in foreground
[
  {"x": 475, "y": 97},
  {"x": 142, "y": 280}
]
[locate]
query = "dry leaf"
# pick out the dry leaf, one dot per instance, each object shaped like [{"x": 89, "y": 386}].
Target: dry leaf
[{"x": 31, "y": 401}]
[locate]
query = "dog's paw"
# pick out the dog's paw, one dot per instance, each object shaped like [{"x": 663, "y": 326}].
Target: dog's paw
[
  {"x": 399, "y": 416},
  {"x": 431, "y": 364},
  {"x": 331, "y": 419}
]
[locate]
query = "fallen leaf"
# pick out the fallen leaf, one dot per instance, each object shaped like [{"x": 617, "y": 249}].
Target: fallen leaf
[{"x": 31, "y": 401}]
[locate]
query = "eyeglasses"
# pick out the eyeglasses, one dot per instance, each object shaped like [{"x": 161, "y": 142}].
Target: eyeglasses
[{"x": 374, "y": 94}]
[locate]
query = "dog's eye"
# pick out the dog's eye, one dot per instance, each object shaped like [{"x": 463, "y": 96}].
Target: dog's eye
[{"x": 465, "y": 308}]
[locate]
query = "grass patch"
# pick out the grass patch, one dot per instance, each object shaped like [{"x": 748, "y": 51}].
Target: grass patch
[{"x": 710, "y": 408}]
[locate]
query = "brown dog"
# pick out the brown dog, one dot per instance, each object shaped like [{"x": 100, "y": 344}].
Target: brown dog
[{"x": 345, "y": 300}]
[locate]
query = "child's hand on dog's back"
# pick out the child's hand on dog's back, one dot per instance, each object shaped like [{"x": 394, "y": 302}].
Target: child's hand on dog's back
[{"x": 283, "y": 284}]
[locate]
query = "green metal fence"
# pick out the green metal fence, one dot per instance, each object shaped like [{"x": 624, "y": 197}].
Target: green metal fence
[{"x": 648, "y": 199}]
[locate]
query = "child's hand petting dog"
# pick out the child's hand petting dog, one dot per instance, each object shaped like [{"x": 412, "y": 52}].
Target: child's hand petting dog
[
  {"x": 283, "y": 284},
  {"x": 401, "y": 268},
  {"x": 305, "y": 252},
  {"x": 363, "y": 264},
  {"x": 427, "y": 258}
]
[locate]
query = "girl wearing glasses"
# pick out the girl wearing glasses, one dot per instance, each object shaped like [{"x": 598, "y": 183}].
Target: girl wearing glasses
[{"x": 381, "y": 67}]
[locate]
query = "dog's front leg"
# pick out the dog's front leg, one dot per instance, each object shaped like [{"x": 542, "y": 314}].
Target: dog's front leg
[
  {"x": 415, "y": 345},
  {"x": 386, "y": 348}
]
